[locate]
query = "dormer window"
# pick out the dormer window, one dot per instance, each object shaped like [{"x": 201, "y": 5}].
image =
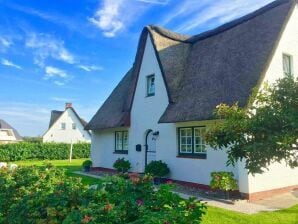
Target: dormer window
[
  {"x": 63, "y": 126},
  {"x": 151, "y": 85},
  {"x": 287, "y": 64}
]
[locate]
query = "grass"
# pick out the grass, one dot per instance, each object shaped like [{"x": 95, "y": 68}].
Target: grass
[
  {"x": 70, "y": 167},
  {"x": 213, "y": 216}
]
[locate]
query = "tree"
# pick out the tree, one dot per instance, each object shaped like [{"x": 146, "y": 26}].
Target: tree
[{"x": 264, "y": 132}]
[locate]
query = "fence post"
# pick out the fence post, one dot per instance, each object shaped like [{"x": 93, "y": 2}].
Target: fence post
[{"x": 70, "y": 153}]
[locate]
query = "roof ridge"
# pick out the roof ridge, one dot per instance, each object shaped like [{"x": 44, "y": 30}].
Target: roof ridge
[{"x": 220, "y": 29}]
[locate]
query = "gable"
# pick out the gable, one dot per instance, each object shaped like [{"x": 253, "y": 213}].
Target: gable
[
  {"x": 68, "y": 116},
  {"x": 288, "y": 44},
  {"x": 143, "y": 105}
]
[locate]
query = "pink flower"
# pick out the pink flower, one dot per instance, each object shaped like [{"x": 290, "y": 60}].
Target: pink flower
[
  {"x": 139, "y": 202},
  {"x": 169, "y": 182}
]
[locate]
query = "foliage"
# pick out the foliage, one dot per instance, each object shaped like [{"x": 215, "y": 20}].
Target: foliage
[
  {"x": 157, "y": 168},
  {"x": 224, "y": 181},
  {"x": 122, "y": 165},
  {"x": 46, "y": 195},
  {"x": 264, "y": 133},
  {"x": 32, "y": 139},
  {"x": 42, "y": 151},
  {"x": 87, "y": 163}
]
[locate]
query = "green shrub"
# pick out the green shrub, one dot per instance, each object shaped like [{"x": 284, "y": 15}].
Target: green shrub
[
  {"x": 87, "y": 163},
  {"x": 157, "y": 168},
  {"x": 47, "y": 195},
  {"x": 122, "y": 165},
  {"x": 224, "y": 181},
  {"x": 42, "y": 151}
]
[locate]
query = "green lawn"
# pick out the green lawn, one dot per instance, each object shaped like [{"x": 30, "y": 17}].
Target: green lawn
[
  {"x": 70, "y": 167},
  {"x": 213, "y": 216}
]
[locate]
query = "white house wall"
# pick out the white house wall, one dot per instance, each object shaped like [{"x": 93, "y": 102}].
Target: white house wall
[
  {"x": 280, "y": 175},
  {"x": 56, "y": 134}
]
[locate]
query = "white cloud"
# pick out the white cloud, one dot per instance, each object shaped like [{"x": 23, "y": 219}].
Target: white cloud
[
  {"x": 90, "y": 68},
  {"x": 5, "y": 42},
  {"x": 55, "y": 72},
  {"x": 9, "y": 63},
  {"x": 108, "y": 17},
  {"x": 61, "y": 99},
  {"x": 45, "y": 46},
  {"x": 159, "y": 2},
  {"x": 59, "y": 83},
  {"x": 115, "y": 16},
  {"x": 195, "y": 14}
]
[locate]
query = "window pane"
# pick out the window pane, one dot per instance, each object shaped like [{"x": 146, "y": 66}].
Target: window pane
[
  {"x": 63, "y": 126},
  {"x": 185, "y": 140},
  {"x": 287, "y": 64},
  {"x": 199, "y": 146},
  {"x": 125, "y": 140},
  {"x": 74, "y": 126},
  {"x": 118, "y": 140},
  {"x": 150, "y": 85}
]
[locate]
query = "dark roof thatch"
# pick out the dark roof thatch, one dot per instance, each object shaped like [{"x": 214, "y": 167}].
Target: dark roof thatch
[
  {"x": 55, "y": 114},
  {"x": 218, "y": 66},
  {"x": 5, "y": 125}
]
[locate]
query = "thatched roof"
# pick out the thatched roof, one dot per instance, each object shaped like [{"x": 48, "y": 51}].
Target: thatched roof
[
  {"x": 56, "y": 114},
  {"x": 218, "y": 66},
  {"x": 5, "y": 125}
]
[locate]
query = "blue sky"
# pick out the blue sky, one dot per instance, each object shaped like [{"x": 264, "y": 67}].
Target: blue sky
[{"x": 52, "y": 52}]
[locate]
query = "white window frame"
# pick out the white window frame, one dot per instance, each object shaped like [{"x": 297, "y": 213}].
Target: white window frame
[
  {"x": 150, "y": 89},
  {"x": 291, "y": 67},
  {"x": 184, "y": 144},
  {"x": 121, "y": 141}
]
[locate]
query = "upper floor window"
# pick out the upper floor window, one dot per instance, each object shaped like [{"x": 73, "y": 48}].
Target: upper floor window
[
  {"x": 121, "y": 142},
  {"x": 191, "y": 142},
  {"x": 63, "y": 126},
  {"x": 287, "y": 64},
  {"x": 74, "y": 126},
  {"x": 151, "y": 85}
]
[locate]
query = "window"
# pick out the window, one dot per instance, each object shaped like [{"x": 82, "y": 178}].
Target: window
[
  {"x": 121, "y": 142},
  {"x": 191, "y": 142},
  {"x": 63, "y": 126},
  {"x": 74, "y": 126},
  {"x": 151, "y": 85},
  {"x": 287, "y": 64}
]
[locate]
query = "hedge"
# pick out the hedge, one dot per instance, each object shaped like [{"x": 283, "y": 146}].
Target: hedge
[{"x": 42, "y": 151}]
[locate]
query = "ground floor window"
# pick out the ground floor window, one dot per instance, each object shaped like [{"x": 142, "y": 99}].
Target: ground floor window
[
  {"x": 121, "y": 142},
  {"x": 191, "y": 141}
]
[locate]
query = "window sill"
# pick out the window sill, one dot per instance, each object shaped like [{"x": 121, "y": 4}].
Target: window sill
[
  {"x": 201, "y": 156},
  {"x": 120, "y": 152}
]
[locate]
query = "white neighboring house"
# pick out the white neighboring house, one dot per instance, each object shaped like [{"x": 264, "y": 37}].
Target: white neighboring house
[
  {"x": 66, "y": 126},
  {"x": 8, "y": 134},
  {"x": 162, "y": 106}
]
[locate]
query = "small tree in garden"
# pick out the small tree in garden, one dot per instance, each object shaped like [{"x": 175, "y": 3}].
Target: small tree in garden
[
  {"x": 263, "y": 133},
  {"x": 122, "y": 165}
]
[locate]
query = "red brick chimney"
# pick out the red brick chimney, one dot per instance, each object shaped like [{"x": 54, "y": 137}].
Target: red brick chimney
[{"x": 68, "y": 105}]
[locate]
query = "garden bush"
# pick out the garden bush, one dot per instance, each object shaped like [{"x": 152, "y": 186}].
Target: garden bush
[
  {"x": 224, "y": 181},
  {"x": 157, "y": 168},
  {"x": 122, "y": 165},
  {"x": 47, "y": 195},
  {"x": 42, "y": 151}
]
